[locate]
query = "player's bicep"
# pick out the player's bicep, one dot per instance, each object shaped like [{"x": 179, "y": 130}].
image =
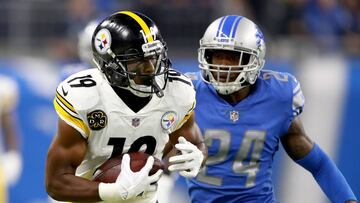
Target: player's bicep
[
  {"x": 295, "y": 142},
  {"x": 189, "y": 130},
  {"x": 66, "y": 151}
]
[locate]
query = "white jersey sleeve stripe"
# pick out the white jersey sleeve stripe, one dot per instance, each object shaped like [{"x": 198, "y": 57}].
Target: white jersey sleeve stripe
[
  {"x": 298, "y": 103},
  {"x": 296, "y": 89}
]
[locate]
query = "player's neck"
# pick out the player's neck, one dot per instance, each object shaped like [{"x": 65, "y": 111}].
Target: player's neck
[
  {"x": 134, "y": 102},
  {"x": 237, "y": 96}
]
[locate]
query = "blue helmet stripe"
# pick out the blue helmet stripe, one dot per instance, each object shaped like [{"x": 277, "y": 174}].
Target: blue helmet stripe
[
  {"x": 226, "y": 30},
  {"x": 235, "y": 25},
  {"x": 220, "y": 26}
]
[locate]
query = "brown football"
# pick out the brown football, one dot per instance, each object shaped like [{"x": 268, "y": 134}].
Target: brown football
[{"x": 110, "y": 169}]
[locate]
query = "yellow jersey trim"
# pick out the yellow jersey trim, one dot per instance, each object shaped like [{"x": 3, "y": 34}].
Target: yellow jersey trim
[
  {"x": 184, "y": 120},
  {"x": 3, "y": 191},
  {"x": 65, "y": 102},
  {"x": 68, "y": 117},
  {"x": 187, "y": 116}
]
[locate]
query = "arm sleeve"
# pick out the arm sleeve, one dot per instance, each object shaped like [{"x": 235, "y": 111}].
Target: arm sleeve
[{"x": 327, "y": 175}]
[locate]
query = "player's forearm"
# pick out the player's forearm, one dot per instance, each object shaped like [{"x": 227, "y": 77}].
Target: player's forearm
[
  {"x": 327, "y": 175},
  {"x": 68, "y": 187}
]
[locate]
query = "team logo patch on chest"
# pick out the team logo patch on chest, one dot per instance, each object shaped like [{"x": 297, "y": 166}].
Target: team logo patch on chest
[
  {"x": 168, "y": 119},
  {"x": 234, "y": 115},
  {"x": 97, "y": 120}
]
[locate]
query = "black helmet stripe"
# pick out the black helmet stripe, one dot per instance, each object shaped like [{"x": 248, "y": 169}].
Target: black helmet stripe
[{"x": 142, "y": 24}]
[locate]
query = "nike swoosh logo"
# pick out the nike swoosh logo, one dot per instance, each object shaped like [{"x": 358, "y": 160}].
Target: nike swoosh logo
[{"x": 65, "y": 93}]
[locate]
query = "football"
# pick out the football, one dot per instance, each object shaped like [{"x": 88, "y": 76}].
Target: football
[{"x": 110, "y": 169}]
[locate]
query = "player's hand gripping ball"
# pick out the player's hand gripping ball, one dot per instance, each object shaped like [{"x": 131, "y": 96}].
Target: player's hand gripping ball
[{"x": 110, "y": 169}]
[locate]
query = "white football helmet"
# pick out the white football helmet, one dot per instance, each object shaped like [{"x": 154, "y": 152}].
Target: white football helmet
[
  {"x": 84, "y": 42},
  {"x": 238, "y": 34}
]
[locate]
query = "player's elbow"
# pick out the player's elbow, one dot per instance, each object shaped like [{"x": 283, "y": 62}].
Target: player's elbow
[{"x": 53, "y": 189}]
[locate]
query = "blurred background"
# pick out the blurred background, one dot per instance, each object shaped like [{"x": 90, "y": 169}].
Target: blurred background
[{"x": 316, "y": 40}]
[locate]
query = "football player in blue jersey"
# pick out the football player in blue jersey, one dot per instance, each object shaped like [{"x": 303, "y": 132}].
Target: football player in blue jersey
[{"x": 243, "y": 113}]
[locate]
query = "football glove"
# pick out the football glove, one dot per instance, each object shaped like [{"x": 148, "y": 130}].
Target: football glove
[
  {"x": 189, "y": 162},
  {"x": 130, "y": 184}
]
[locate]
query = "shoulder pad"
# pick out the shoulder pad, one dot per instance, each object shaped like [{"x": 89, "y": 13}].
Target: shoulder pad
[
  {"x": 286, "y": 87},
  {"x": 180, "y": 88},
  {"x": 81, "y": 89}
]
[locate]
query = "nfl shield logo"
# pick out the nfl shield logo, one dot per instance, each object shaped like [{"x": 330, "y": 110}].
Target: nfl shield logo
[
  {"x": 234, "y": 115},
  {"x": 135, "y": 122}
]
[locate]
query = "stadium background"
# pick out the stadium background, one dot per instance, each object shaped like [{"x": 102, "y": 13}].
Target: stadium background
[{"x": 317, "y": 40}]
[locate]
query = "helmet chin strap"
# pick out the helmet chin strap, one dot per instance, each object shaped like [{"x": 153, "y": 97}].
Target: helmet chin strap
[
  {"x": 226, "y": 90},
  {"x": 158, "y": 91},
  {"x": 137, "y": 93},
  {"x": 144, "y": 90},
  {"x": 139, "y": 90}
]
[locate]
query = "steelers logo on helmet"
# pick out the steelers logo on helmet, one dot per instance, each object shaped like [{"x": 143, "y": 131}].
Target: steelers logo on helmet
[{"x": 102, "y": 41}]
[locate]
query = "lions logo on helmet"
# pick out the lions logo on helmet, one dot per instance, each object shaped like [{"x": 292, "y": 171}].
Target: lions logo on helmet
[{"x": 237, "y": 34}]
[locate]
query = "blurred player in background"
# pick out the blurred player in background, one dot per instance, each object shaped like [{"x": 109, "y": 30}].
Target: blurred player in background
[
  {"x": 133, "y": 102},
  {"x": 84, "y": 51},
  {"x": 10, "y": 157},
  {"x": 243, "y": 113}
]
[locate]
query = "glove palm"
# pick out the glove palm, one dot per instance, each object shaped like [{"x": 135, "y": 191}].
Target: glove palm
[{"x": 130, "y": 184}]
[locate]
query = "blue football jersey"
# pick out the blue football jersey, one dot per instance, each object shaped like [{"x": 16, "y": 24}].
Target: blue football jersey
[{"x": 243, "y": 138}]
